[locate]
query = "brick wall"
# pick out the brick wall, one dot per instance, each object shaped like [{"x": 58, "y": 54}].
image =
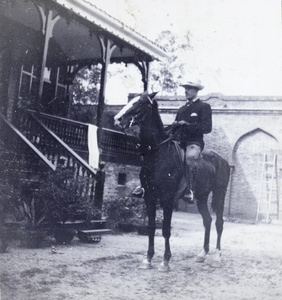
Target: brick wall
[
  {"x": 112, "y": 189},
  {"x": 244, "y": 129}
]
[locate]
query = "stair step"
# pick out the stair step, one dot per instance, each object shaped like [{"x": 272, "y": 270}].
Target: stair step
[
  {"x": 96, "y": 231},
  {"x": 82, "y": 222},
  {"x": 91, "y": 236},
  {"x": 82, "y": 225}
]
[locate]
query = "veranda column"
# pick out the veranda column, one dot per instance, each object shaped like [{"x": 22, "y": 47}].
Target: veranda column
[
  {"x": 13, "y": 87},
  {"x": 107, "y": 49},
  {"x": 48, "y": 22},
  {"x": 5, "y": 63},
  {"x": 143, "y": 66}
]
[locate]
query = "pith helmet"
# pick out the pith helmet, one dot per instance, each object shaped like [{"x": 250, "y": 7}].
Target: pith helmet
[{"x": 192, "y": 82}]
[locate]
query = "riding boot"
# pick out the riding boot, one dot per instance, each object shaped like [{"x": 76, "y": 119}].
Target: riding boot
[
  {"x": 188, "y": 197},
  {"x": 138, "y": 192},
  {"x": 189, "y": 193}
]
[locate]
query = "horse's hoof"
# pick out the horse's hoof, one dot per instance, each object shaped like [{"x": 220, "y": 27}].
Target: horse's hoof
[
  {"x": 145, "y": 265},
  {"x": 215, "y": 264},
  {"x": 164, "y": 267},
  {"x": 201, "y": 257},
  {"x": 216, "y": 261}
]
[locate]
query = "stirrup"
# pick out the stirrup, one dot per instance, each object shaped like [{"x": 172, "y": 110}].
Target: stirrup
[
  {"x": 189, "y": 196},
  {"x": 138, "y": 192}
]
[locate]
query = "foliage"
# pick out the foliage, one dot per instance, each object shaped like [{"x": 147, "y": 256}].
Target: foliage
[
  {"x": 10, "y": 200},
  {"x": 90, "y": 212},
  {"x": 85, "y": 87},
  {"x": 130, "y": 210},
  {"x": 10, "y": 190},
  {"x": 31, "y": 221},
  {"x": 57, "y": 197},
  {"x": 166, "y": 75},
  {"x": 64, "y": 198},
  {"x": 126, "y": 209}
]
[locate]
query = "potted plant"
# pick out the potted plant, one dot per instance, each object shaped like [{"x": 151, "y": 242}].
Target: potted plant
[
  {"x": 141, "y": 220},
  {"x": 65, "y": 203},
  {"x": 121, "y": 212},
  {"x": 9, "y": 213},
  {"x": 61, "y": 203},
  {"x": 31, "y": 232},
  {"x": 130, "y": 214}
]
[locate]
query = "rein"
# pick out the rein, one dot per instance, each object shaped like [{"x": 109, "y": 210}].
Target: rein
[
  {"x": 139, "y": 118},
  {"x": 135, "y": 119},
  {"x": 171, "y": 137}
]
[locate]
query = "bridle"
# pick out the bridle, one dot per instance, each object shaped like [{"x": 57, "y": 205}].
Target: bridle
[
  {"x": 136, "y": 119},
  {"x": 140, "y": 117}
]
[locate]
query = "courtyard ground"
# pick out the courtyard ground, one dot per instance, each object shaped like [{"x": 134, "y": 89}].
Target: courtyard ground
[{"x": 251, "y": 266}]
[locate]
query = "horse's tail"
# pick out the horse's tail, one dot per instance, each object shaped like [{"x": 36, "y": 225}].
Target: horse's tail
[
  {"x": 220, "y": 187},
  {"x": 218, "y": 197}
]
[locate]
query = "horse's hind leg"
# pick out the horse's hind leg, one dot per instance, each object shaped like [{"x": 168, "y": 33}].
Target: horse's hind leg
[
  {"x": 219, "y": 228},
  {"x": 219, "y": 192},
  {"x": 207, "y": 220},
  {"x": 218, "y": 207}
]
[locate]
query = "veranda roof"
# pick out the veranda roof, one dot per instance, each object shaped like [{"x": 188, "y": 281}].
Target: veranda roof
[{"x": 113, "y": 26}]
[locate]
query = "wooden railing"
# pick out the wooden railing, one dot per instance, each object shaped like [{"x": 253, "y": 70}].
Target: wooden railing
[
  {"x": 55, "y": 149},
  {"x": 119, "y": 147},
  {"x": 13, "y": 138},
  {"x": 73, "y": 133},
  {"x": 21, "y": 162},
  {"x": 114, "y": 146}
]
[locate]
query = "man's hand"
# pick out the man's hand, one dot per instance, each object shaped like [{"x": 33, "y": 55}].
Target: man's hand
[
  {"x": 178, "y": 124},
  {"x": 183, "y": 123}
]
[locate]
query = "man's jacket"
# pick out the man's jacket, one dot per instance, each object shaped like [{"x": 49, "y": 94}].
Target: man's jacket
[{"x": 199, "y": 117}]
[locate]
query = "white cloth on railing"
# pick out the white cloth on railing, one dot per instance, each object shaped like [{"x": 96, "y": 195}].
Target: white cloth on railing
[{"x": 93, "y": 150}]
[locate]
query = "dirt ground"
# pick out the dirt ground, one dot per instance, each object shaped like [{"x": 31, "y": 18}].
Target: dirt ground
[{"x": 251, "y": 266}]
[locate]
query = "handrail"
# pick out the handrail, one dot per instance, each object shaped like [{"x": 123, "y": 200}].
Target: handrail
[
  {"x": 56, "y": 117},
  {"x": 115, "y": 146},
  {"x": 73, "y": 133},
  {"x": 58, "y": 152},
  {"x": 28, "y": 143},
  {"x": 45, "y": 116},
  {"x": 73, "y": 153}
]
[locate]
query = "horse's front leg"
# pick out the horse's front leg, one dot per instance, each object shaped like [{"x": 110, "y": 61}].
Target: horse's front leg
[
  {"x": 207, "y": 220},
  {"x": 166, "y": 234},
  {"x": 151, "y": 210}
]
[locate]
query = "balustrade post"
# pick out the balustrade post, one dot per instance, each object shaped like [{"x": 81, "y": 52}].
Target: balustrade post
[{"x": 99, "y": 186}]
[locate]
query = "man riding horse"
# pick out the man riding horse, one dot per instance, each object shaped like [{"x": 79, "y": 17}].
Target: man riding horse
[
  {"x": 192, "y": 121},
  {"x": 163, "y": 175}
]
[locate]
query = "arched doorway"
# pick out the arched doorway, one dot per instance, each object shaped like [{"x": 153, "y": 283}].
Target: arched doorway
[{"x": 248, "y": 156}]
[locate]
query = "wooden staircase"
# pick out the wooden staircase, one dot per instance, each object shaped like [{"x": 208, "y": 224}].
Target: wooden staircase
[
  {"x": 30, "y": 151},
  {"x": 41, "y": 140}
]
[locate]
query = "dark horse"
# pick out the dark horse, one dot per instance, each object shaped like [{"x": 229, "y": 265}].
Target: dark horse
[{"x": 162, "y": 173}]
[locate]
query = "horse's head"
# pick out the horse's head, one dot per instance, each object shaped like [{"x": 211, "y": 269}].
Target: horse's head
[{"x": 135, "y": 111}]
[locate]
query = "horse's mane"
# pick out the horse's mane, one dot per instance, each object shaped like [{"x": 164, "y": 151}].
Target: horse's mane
[
  {"x": 155, "y": 110},
  {"x": 152, "y": 129}
]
